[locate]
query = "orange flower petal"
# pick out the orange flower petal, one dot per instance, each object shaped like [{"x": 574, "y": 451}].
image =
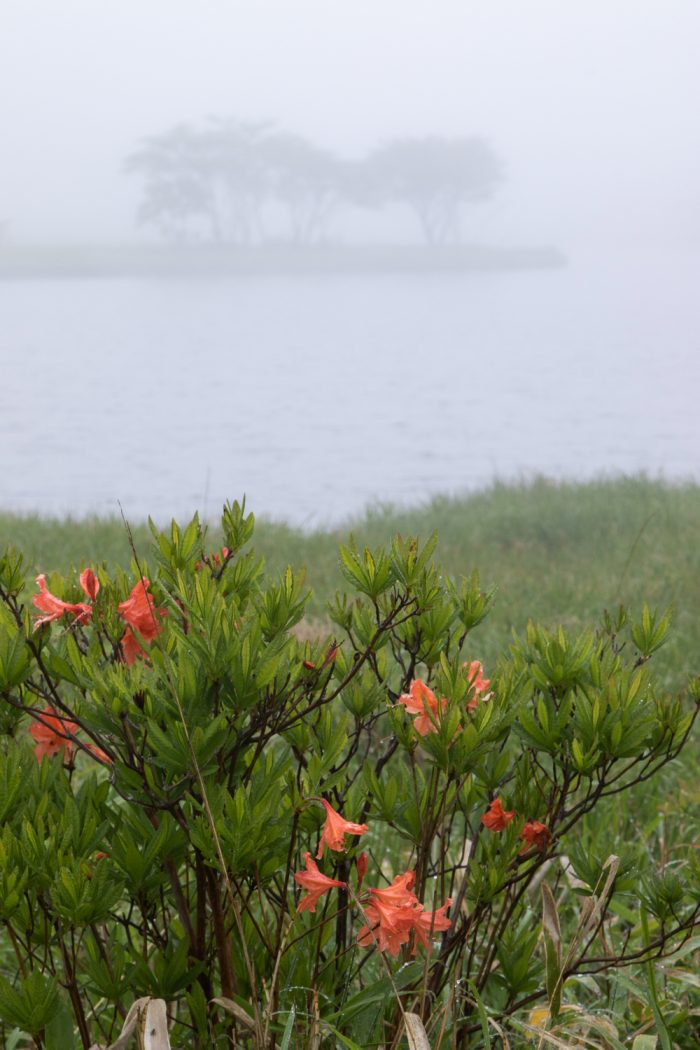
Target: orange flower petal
[
  {"x": 335, "y": 829},
  {"x": 496, "y": 817},
  {"x": 315, "y": 882}
]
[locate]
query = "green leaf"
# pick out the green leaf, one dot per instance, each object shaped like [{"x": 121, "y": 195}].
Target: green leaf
[
  {"x": 661, "y": 1027},
  {"x": 378, "y": 991},
  {"x": 31, "y": 1005},
  {"x": 342, "y": 1039},
  {"x": 483, "y": 1017},
  {"x": 14, "y": 659},
  {"x": 237, "y": 526},
  {"x": 12, "y": 571},
  {"x": 288, "y": 1029},
  {"x": 371, "y": 574},
  {"x": 59, "y": 1031},
  {"x": 650, "y": 634}
]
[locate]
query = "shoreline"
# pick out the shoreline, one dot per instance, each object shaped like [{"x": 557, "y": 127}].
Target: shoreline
[
  {"x": 539, "y": 486},
  {"x": 76, "y": 261}
]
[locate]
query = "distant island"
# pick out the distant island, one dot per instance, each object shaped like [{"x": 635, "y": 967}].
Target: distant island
[
  {"x": 231, "y": 197},
  {"x": 194, "y": 260}
]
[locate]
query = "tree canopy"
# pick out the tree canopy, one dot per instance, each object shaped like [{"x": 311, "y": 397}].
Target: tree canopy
[
  {"x": 232, "y": 182},
  {"x": 434, "y": 176}
]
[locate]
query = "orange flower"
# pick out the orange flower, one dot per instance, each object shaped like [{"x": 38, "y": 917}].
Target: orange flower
[
  {"x": 98, "y": 753},
  {"x": 331, "y": 653},
  {"x": 387, "y": 928},
  {"x": 496, "y": 817},
  {"x": 427, "y": 923},
  {"x": 52, "y": 735},
  {"x": 335, "y": 829},
  {"x": 55, "y": 608},
  {"x": 535, "y": 834},
  {"x": 399, "y": 894},
  {"x": 131, "y": 647},
  {"x": 394, "y": 913},
  {"x": 315, "y": 882},
  {"x": 478, "y": 685},
  {"x": 421, "y": 701},
  {"x": 361, "y": 863},
  {"x": 213, "y": 559},
  {"x": 89, "y": 583},
  {"x": 139, "y": 613}
]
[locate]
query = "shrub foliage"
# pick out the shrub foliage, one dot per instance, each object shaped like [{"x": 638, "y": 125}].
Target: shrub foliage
[{"x": 349, "y": 841}]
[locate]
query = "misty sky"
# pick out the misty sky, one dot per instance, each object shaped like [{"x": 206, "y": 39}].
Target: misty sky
[{"x": 592, "y": 105}]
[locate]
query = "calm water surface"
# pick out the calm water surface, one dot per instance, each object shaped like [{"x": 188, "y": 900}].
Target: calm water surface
[{"x": 317, "y": 395}]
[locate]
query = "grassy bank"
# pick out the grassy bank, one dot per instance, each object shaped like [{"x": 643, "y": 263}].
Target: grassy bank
[{"x": 558, "y": 553}]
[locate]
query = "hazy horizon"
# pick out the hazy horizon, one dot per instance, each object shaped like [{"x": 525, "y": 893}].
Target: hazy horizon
[
  {"x": 588, "y": 105},
  {"x": 318, "y": 393}
]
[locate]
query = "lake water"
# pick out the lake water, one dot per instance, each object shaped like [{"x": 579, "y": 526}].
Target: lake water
[{"x": 317, "y": 395}]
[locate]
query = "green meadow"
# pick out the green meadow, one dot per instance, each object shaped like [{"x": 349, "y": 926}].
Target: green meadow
[{"x": 558, "y": 553}]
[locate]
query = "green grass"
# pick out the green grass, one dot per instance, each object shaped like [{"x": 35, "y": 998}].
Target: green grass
[{"x": 558, "y": 553}]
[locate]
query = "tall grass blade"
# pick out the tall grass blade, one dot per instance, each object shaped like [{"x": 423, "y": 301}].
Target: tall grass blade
[
  {"x": 483, "y": 1016},
  {"x": 288, "y": 1029},
  {"x": 344, "y": 1040},
  {"x": 661, "y": 1028}
]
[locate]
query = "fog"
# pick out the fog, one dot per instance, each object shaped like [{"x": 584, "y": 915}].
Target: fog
[
  {"x": 591, "y": 105},
  {"x": 538, "y": 316}
]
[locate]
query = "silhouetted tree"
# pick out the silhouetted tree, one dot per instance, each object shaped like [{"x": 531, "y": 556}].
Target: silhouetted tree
[
  {"x": 179, "y": 198},
  {"x": 305, "y": 179},
  {"x": 212, "y": 174},
  {"x": 220, "y": 180},
  {"x": 433, "y": 176},
  {"x": 233, "y": 157}
]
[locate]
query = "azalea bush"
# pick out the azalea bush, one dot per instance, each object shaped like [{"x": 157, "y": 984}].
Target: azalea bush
[{"x": 212, "y": 824}]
